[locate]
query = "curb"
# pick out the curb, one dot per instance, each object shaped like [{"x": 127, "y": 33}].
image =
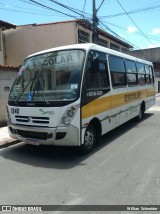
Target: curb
[{"x": 5, "y": 145}]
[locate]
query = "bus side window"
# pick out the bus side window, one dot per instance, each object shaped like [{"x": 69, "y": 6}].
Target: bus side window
[
  {"x": 131, "y": 72},
  {"x": 151, "y": 74},
  {"x": 104, "y": 80},
  {"x": 141, "y": 73},
  {"x": 118, "y": 72},
  {"x": 148, "y": 75},
  {"x": 96, "y": 79}
]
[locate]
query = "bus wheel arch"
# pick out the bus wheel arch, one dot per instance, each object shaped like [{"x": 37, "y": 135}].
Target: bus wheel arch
[
  {"x": 98, "y": 127},
  {"x": 91, "y": 136},
  {"x": 143, "y": 107},
  {"x": 141, "y": 111}
]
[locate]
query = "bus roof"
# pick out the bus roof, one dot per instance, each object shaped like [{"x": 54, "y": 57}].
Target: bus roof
[{"x": 92, "y": 46}]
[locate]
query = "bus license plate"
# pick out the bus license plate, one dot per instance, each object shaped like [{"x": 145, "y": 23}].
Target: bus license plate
[{"x": 33, "y": 142}]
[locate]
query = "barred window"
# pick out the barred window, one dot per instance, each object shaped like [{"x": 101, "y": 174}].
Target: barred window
[
  {"x": 102, "y": 42},
  {"x": 83, "y": 37},
  {"x": 114, "y": 47},
  {"x": 124, "y": 50}
]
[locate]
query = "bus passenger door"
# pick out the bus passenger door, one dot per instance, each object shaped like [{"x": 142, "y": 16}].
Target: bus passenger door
[{"x": 95, "y": 99}]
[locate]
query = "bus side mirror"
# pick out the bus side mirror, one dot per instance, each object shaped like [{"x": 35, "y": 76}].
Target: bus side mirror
[{"x": 94, "y": 62}]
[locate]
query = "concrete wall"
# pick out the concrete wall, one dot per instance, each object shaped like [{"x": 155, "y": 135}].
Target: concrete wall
[
  {"x": 157, "y": 79},
  {"x": 7, "y": 77},
  {"x": 29, "y": 39},
  {"x": 151, "y": 54}
]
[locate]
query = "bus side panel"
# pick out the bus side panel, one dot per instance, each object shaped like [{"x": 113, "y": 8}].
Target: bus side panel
[
  {"x": 119, "y": 107},
  {"x": 99, "y": 109},
  {"x": 133, "y": 100},
  {"x": 149, "y": 95}
]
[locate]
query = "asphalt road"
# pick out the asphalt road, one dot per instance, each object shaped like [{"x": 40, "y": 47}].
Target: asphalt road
[{"x": 124, "y": 169}]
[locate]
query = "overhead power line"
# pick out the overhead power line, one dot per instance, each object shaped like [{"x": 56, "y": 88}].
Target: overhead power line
[
  {"x": 71, "y": 9},
  {"x": 31, "y": 13},
  {"x": 100, "y": 5},
  {"x": 66, "y": 7},
  {"x": 116, "y": 35},
  {"x": 79, "y": 13},
  {"x": 84, "y": 6},
  {"x": 50, "y": 8},
  {"x": 29, "y": 10},
  {"x": 135, "y": 24},
  {"x": 138, "y": 10},
  {"x": 138, "y": 33}
]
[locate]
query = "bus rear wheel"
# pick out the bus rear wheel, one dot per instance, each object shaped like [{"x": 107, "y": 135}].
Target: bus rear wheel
[
  {"x": 90, "y": 138},
  {"x": 141, "y": 113}
]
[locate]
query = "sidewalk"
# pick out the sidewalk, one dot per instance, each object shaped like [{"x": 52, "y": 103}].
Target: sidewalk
[{"x": 5, "y": 139}]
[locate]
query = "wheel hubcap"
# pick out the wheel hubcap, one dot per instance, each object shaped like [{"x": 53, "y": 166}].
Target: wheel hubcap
[{"x": 89, "y": 139}]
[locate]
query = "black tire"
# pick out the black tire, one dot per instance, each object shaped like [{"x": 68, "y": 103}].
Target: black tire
[
  {"x": 90, "y": 139},
  {"x": 141, "y": 114}
]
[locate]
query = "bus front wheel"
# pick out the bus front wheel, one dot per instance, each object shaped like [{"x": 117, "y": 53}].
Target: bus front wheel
[{"x": 90, "y": 138}]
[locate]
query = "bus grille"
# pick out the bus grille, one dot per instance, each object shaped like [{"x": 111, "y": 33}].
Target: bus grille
[
  {"x": 35, "y": 120},
  {"x": 33, "y": 135}
]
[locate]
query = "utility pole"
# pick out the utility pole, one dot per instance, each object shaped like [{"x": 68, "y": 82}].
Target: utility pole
[{"x": 95, "y": 23}]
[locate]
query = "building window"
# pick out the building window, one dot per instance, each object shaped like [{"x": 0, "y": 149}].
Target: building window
[
  {"x": 114, "y": 47},
  {"x": 7, "y": 88},
  {"x": 102, "y": 42},
  {"x": 83, "y": 37},
  {"x": 124, "y": 50}
]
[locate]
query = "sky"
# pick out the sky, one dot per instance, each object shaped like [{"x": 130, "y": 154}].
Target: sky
[{"x": 137, "y": 22}]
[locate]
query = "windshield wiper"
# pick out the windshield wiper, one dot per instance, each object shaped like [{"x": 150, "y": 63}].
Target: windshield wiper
[
  {"x": 19, "y": 96},
  {"x": 41, "y": 83},
  {"x": 42, "y": 87}
]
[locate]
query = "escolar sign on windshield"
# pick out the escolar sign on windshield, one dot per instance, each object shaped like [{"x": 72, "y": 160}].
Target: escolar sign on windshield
[{"x": 57, "y": 60}]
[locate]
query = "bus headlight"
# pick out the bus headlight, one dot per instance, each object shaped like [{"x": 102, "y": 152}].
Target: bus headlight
[
  {"x": 67, "y": 121},
  {"x": 69, "y": 115}
]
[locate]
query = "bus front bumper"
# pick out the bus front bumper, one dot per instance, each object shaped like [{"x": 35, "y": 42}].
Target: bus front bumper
[{"x": 60, "y": 136}]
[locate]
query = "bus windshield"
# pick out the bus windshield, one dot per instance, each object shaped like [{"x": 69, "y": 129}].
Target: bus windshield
[{"x": 53, "y": 76}]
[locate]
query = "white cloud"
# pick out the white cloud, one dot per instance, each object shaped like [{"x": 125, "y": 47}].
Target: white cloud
[
  {"x": 154, "y": 46},
  {"x": 155, "y": 31},
  {"x": 7, "y": 5},
  {"x": 131, "y": 29}
]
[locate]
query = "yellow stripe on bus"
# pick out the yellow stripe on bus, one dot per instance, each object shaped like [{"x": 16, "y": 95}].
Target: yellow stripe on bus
[{"x": 103, "y": 104}]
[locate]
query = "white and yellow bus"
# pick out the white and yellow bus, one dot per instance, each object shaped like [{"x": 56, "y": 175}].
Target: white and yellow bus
[{"x": 71, "y": 95}]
